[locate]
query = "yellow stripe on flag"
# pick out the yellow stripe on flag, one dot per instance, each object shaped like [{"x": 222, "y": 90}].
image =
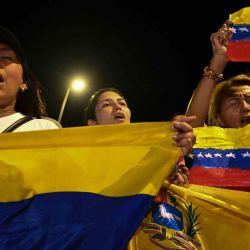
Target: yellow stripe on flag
[
  {"x": 214, "y": 137},
  {"x": 241, "y": 16},
  {"x": 112, "y": 160}
]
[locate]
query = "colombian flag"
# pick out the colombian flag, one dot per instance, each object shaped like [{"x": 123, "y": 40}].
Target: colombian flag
[
  {"x": 221, "y": 158},
  {"x": 81, "y": 188},
  {"x": 239, "y": 45}
]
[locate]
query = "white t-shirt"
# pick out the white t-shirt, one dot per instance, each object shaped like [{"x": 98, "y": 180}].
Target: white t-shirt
[{"x": 35, "y": 124}]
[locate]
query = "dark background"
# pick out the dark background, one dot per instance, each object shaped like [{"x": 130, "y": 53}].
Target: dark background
[{"x": 153, "y": 51}]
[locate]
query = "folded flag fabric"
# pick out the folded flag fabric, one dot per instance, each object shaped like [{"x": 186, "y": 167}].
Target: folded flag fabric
[
  {"x": 196, "y": 217},
  {"x": 239, "y": 45},
  {"x": 80, "y": 188},
  {"x": 200, "y": 216},
  {"x": 221, "y": 157}
]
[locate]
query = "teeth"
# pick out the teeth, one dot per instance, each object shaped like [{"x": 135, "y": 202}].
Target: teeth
[{"x": 119, "y": 116}]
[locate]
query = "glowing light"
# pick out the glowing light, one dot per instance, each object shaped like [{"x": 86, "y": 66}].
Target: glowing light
[{"x": 78, "y": 85}]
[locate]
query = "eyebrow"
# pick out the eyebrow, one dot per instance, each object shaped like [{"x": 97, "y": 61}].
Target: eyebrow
[
  {"x": 109, "y": 99},
  {"x": 239, "y": 94},
  {"x": 6, "y": 49}
]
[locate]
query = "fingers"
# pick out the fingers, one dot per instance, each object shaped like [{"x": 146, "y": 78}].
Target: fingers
[
  {"x": 180, "y": 177},
  {"x": 181, "y": 127},
  {"x": 183, "y": 118},
  {"x": 185, "y": 141},
  {"x": 224, "y": 33},
  {"x": 186, "y": 146},
  {"x": 184, "y": 170},
  {"x": 220, "y": 39},
  {"x": 184, "y": 138},
  {"x": 180, "y": 123}
]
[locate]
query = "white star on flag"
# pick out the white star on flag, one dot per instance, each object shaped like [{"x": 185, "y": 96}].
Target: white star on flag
[
  {"x": 200, "y": 155},
  {"x": 191, "y": 156},
  {"x": 230, "y": 155},
  {"x": 218, "y": 155},
  {"x": 208, "y": 155},
  {"x": 244, "y": 29},
  {"x": 246, "y": 154}
]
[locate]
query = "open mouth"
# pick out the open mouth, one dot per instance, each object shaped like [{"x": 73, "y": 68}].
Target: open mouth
[
  {"x": 120, "y": 116},
  {"x": 1, "y": 78},
  {"x": 245, "y": 121}
]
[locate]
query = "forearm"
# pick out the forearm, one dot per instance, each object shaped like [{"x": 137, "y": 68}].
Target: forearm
[{"x": 200, "y": 100}]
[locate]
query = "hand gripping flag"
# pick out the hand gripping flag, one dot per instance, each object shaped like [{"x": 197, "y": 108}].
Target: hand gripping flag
[
  {"x": 80, "y": 188},
  {"x": 200, "y": 216},
  {"x": 239, "y": 44}
]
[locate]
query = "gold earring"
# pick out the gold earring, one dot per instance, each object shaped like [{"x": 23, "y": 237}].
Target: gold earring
[{"x": 23, "y": 87}]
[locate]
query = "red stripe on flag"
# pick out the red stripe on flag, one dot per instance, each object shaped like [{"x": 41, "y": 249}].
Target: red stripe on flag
[
  {"x": 233, "y": 178},
  {"x": 239, "y": 51}
]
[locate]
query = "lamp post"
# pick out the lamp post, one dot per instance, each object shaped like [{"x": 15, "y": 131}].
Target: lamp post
[{"x": 77, "y": 85}]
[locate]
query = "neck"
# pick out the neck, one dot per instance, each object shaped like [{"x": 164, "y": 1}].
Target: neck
[{"x": 6, "y": 111}]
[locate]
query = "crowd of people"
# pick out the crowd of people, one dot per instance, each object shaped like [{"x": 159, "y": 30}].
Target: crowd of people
[{"x": 214, "y": 102}]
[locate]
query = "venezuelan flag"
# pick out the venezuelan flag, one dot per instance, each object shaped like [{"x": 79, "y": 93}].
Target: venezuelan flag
[
  {"x": 196, "y": 217},
  {"x": 221, "y": 158},
  {"x": 80, "y": 188},
  {"x": 239, "y": 44}
]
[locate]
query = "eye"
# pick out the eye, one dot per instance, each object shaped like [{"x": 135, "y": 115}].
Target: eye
[
  {"x": 105, "y": 105},
  {"x": 7, "y": 58},
  {"x": 234, "y": 101},
  {"x": 123, "y": 103}
]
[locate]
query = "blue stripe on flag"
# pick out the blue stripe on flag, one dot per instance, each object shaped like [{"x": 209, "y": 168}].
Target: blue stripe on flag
[
  {"x": 241, "y": 32},
  {"x": 71, "y": 220},
  {"x": 210, "y": 157}
]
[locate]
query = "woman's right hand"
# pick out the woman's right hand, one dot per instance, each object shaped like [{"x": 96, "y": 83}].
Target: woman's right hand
[{"x": 220, "y": 39}]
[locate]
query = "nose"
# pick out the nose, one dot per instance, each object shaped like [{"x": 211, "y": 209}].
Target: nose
[
  {"x": 245, "y": 106},
  {"x": 117, "y": 106}
]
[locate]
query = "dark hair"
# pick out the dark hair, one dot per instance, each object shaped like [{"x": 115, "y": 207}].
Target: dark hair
[
  {"x": 29, "y": 102},
  {"x": 222, "y": 90},
  {"x": 89, "y": 111}
]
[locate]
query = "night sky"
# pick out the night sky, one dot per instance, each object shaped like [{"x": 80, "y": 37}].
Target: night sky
[{"x": 153, "y": 52}]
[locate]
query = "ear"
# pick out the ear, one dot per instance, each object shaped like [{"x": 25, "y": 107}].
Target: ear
[
  {"x": 91, "y": 122},
  {"x": 219, "y": 121}
]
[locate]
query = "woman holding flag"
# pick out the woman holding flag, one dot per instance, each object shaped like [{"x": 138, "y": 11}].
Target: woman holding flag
[{"x": 108, "y": 106}]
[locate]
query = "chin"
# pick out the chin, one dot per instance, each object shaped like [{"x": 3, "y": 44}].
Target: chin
[{"x": 243, "y": 125}]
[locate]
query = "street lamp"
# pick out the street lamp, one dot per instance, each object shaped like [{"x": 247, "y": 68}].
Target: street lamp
[{"x": 76, "y": 85}]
